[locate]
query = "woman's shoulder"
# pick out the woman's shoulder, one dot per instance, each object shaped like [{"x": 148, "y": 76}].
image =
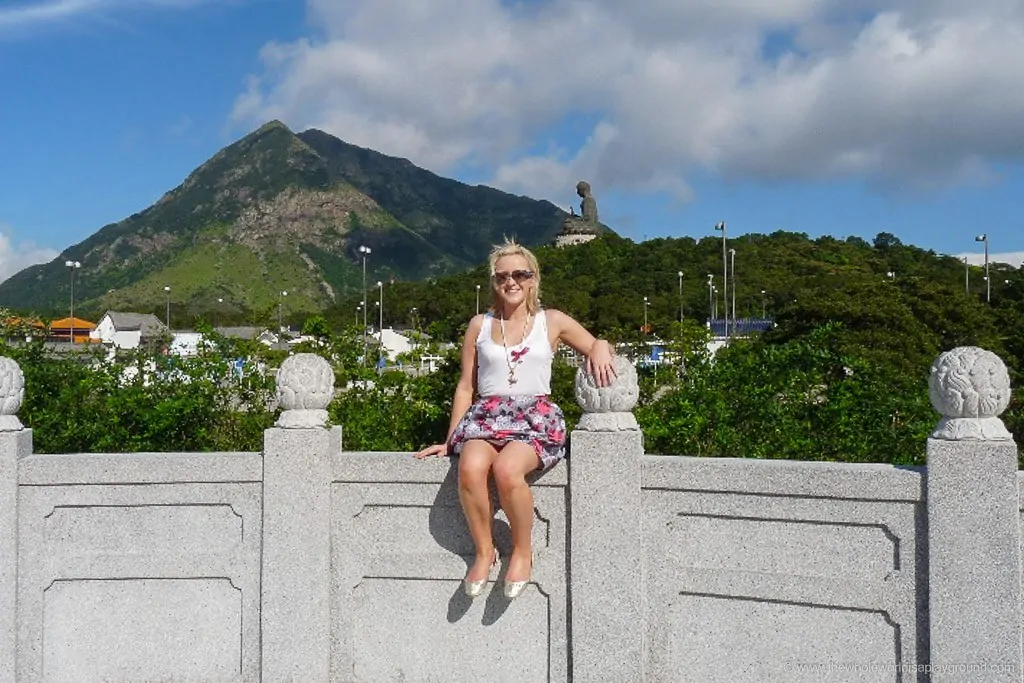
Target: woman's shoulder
[
  {"x": 554, "y": 317},
  {"x": 476, "y": 323}
]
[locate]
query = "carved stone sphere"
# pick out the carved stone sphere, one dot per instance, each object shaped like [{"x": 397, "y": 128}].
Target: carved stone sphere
[
  {"x": 305, "y": 381},
  {"x": 969, "y": 382},
  {"x": 619, "y": 397},
  {"x": 12, "y": 386}
]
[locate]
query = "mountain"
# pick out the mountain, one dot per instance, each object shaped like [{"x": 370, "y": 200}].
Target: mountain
[{"x": 278, "y": 211}]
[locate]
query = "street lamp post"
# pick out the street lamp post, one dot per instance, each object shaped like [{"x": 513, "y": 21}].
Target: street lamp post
[
  {"x": 680, "y": 296},
  {"x": 725, "y": 272},
  {"x": 711, "y": 305},
  {"x": 732, "y": 269},
  {"x": 967, "y": 277},
  {"x": 365, "y": 251},
  {"x": 280, "y": 317},
  {"x": 167, "y": 292},
  {"x": 478, "y": 299},
  {"x": 72, "y": 266},
  {"x": 764, "y": 307},
  {"x": 646, "y": 304},
  {"x": 220, "y": 304},
  {"x": 988, "y": 281},
  {"x": 380, "y": 302}
]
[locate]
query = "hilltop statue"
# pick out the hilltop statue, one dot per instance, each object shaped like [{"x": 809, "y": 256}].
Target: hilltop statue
[
  {"x": 583, "y": 227},
  {"x": 588, "y": 207}
]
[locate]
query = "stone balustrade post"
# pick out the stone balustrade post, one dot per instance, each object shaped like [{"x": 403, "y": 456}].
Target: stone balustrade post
[
  {"x": 15, "y": 444},
  {"x": 974, "y": 557},
  {"x": 295, "y": 606},
  {"x": 606, "y": 591}
]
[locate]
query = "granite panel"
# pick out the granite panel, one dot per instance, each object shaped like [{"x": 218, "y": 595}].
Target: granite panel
[
  {"x": 120, "y": 631},
  {"x": 400, "y": 550},
  {"x": 715, "y": 639},
  {"x": 137, "y": 550},
  {"x": 785, "y": 563},
  {"x": 408, "y": 620}
]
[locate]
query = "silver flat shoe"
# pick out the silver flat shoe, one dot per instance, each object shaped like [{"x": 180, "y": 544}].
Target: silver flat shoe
[
  {"x": 513, "y": 589},
  {"x": 475, "y": 588}
]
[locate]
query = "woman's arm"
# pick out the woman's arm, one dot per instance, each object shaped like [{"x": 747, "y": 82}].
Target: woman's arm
[
  {"x": 466, "y": 387},
  {"x": 597, "y": 351},
  {"x": 464, "y": 390}
]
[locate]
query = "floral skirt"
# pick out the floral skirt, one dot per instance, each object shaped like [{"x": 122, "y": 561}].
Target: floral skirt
[{"x": 534, "y": 420}]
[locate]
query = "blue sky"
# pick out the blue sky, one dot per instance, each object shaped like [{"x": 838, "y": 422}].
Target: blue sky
[{"x": 903, "y": 116}]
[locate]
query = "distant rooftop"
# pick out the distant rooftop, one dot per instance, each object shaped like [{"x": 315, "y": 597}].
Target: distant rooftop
[
  {"x": 741, "y": 327},
  {"x": 239, "y": 332},
  {"x": 146, "y": 323}
]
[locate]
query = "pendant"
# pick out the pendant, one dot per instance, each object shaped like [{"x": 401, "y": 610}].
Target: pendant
[{"x": 512, "y": 377}]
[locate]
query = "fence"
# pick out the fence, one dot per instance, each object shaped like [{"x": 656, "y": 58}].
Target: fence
[{"x": 307, "y": 563}]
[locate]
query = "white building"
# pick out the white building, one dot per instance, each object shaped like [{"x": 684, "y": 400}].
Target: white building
[
  {"x": 186, "y": 343},
  {"x": 128, "y": 330},
  {"x": 394, "y": 343}
]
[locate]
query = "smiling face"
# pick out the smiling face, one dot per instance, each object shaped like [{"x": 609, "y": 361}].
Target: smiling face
[{"x": 514, "y": 282}]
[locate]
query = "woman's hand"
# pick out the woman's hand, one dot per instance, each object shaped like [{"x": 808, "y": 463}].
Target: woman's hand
[
  {"x": 437, "y": 450},
  {"x": 599, "y": 362}
]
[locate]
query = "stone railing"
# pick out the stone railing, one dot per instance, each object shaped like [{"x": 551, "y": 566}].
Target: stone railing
[{"x": 308, "y": 563}]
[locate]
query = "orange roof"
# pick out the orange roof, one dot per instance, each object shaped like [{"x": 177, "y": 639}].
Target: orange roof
[
  {"x": 12, "y": 322},
  {"x": 65, "y": 324}
]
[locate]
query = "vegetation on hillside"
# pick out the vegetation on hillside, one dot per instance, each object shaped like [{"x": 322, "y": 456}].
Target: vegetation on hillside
[{"x": 843, "y": 375}]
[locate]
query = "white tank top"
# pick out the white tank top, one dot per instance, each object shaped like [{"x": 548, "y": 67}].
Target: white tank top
[{"x": 531, "y": 359}]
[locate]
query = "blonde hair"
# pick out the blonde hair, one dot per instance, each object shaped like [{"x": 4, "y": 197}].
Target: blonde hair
[{"x": 512, "y": 248}]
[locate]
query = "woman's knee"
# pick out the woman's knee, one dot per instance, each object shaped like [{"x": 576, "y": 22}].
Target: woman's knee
[
  {"x": 474, "y": 467},
  {"x": 510, "y": 472}
]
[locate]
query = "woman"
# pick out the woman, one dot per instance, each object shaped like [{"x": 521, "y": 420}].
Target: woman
[{"x": 512, "y": 428}]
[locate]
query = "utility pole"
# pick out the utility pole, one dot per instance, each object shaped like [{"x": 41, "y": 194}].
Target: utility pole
[
  {"x": 680, "y": 296},
  {"x": 725, "y": 273},
  {"x": 988, "y": 280},
  {"x": 732, "y": 267}
]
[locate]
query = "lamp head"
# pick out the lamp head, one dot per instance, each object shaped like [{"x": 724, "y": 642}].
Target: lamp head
[{"x": 981, "y": 238}]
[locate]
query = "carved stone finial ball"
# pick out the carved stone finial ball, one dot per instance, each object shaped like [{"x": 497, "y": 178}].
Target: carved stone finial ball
[
  {"x": 618, "y": 397},
  {"x": 969, "y": 382},
  {"x": 305, "y": 381},
  {"x": 12, "y": 392},
  {"x": 970, "y": 387},
  {"x": 12, "y": 386}
]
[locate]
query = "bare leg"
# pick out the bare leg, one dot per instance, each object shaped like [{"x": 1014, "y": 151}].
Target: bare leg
[
  {"x": 513, "y": 463},
  {"x": 474, "y": 467}
]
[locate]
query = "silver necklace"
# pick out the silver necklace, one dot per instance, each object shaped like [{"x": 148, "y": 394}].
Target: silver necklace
[{"x": 508, "y": 357}]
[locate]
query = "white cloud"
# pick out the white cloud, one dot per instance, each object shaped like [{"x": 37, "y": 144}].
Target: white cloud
[
  {"x": 26, "y": 15},
  {"x": 907, "y": 94},
  {"x": 14, "y": 258},
  {"x": 1013, "y": 258}
]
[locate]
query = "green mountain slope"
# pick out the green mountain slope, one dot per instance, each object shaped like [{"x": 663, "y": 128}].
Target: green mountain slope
[
  {"x": 277, "y": 211},
  {"x": 462, "y": 221}
]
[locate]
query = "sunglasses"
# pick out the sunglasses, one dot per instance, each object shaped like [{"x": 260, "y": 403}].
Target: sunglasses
[{"x": 519, "y": 276}]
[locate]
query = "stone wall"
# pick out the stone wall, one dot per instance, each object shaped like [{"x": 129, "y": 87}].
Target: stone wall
[{"x": 308, "y": 563}]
